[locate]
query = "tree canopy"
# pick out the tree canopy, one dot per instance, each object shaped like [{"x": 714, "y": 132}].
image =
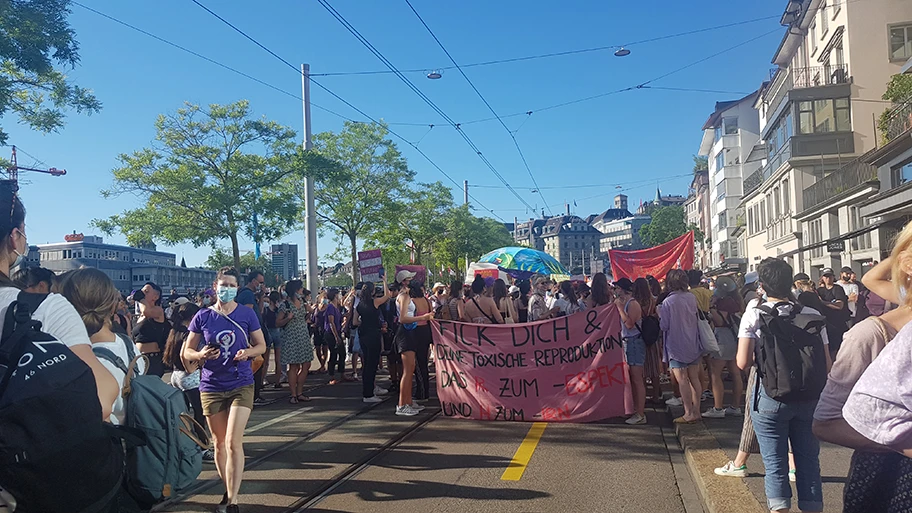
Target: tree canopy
[
  {"x": 34, "y": 37},
  {"x": 212, "y": 168},
  {"x": 667, "y": 223}
]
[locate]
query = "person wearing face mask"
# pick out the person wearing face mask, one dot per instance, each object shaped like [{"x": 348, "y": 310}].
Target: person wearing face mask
[
  {"x": 152, "y": 328},
  {"x": 297, "y": 346},
  {"x": 225, "y": 338}
]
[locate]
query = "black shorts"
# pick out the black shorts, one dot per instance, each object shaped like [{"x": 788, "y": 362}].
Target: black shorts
[
  {"x": 318, "y": 337},
  {"x": 406, "y": 340}
]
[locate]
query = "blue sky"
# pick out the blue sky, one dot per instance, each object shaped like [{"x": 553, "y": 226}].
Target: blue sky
[{"x": 635, "y": 139}]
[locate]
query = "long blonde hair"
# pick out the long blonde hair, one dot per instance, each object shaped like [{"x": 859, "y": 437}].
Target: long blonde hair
[
  {"x": 901, "y": 280},
  {"x": 93, "y": 294}
]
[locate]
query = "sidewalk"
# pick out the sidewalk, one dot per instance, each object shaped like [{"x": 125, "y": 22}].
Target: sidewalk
[{"x": 714, "y": 442}]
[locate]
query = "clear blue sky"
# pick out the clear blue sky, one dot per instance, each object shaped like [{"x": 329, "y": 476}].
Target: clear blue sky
[{"x": 638, "y": 136}]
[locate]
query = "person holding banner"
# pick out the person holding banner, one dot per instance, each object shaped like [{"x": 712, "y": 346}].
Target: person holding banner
[
  {"x": 683, "y": 350},
  {"x": 538, "y": 305},
  {"x": 504, "y": 302},
  {"x": 367, "y": 316},
  {"x": 634, "y": 346},
  {"x": 481, "y": 309}
]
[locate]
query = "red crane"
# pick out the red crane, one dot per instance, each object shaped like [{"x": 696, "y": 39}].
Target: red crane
[{"x": 14, "y": 168}]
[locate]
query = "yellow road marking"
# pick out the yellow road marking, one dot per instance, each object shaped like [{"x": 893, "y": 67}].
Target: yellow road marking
[{"x": 523, "y": 454}]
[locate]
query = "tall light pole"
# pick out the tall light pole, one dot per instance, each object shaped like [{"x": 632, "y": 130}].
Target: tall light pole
[
  {"x": 310, "y": 220},
  {"x": 465, "y": 199}
]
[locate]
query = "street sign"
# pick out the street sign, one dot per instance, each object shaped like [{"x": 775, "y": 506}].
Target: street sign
[{"x": 837, "y": 246}]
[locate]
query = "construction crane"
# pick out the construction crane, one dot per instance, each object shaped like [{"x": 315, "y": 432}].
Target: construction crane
[{"x": 13, "y": 171}]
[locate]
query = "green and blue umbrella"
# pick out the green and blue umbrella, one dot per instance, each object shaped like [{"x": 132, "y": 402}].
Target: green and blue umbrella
[{"x": 522, "y": 263}]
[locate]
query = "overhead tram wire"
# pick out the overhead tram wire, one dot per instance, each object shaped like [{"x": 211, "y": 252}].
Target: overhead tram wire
[
  {"x": 483, "y": 99},
  {"x": 559, "y": 54},
  {"x": 590, "y": 186},
  {"x": 367, "y": 44},
  {"x": 207, "y": 59},
  {"x": 346, "y": 102}
]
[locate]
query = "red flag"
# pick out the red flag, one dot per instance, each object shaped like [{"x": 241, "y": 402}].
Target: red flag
[{"x": 656, "y": 261}]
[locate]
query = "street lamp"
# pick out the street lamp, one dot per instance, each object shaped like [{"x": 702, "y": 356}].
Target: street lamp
[
  {"x": 622, "y": 52},
  {"x": 435, "y": 74}
]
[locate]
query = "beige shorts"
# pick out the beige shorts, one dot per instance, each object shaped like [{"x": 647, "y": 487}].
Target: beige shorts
[{"x": 214, "y": 402}]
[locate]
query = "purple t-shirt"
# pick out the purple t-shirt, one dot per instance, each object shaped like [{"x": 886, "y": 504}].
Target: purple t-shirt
[
  {"x": 224, "y": 373},
  {"x": 337, "y": 318}
]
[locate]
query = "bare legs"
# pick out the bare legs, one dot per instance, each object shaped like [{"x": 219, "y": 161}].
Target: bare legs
[
  {"x": 638, "y": 388},
  {"x": 227, "y": 429},
  {"x": 405, "y": 383},
  {"x": 689, "y": 380}
]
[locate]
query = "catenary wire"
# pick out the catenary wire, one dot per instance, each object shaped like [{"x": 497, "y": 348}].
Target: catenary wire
[
  {"x": 343, "y": 100},
  {"x": 483, "y": 99},
  {"x": 558, "y": 54},
  {"x": 367, "y": 44}
]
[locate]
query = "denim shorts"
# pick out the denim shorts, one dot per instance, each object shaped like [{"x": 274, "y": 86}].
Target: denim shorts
[
  {"x": 636, "y": 351},
  {"x": 275, "y": 338},
  {"x": 675, "y": 364}
]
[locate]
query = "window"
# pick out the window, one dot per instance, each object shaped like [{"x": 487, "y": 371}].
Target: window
[
  {"x": 901, "y": 174},
  {"x": 856, "y": 222},
  {"x": 837, "y": 6},
  {"x": 901, "y": 42},
  {"x": 812, "y": 30},
  {"x": 717, "y": 133},
  {"x": 786, "y": 207},
  {"x": 723, "y": 220},
  {"x": 824, "y": 21},
  {"x": 750, "y": 220},
  {"x": 822, "y": 116},
  {"x": 815, "y": 234},
  {"x": 763, "y": 215},
  {"x": 777, "y": 211},
  {"x": 720, "y": 160},
  {"x": 731, "y": 126}
]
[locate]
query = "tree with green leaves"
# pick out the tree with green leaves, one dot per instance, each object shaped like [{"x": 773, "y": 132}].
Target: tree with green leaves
[
  {"x": 210, "y": 171},
  {"x": 470, "y": 235},
  {"x": 417, "y": 222},
  {"x": 370, "y": 176},
  {"x": 221, "y": 257},
  {"x": 701, "y": 163},
  {"x": 34, "y": 37},
  {"x": 899, "y": 91},
  {"x": 667, "y": 223}
]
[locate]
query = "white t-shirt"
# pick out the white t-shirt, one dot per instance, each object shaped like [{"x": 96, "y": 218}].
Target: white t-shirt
[
  {"x": 58, "y": 317},
  {"x": 750, "y": 321},
  {"x": 850, "y": 288},
  {"x": 119, "y": 348}
]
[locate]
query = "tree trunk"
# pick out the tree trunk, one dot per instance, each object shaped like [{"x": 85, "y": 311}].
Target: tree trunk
[
  {"x": 354, "y": 255},
  {"x": 235, "y": 251}
]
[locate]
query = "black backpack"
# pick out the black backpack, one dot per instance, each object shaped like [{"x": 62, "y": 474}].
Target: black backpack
[
  {"x": 791, "y": 362},
  {"x": 56, "y": 453},
  {"x": 649, "y": 329}
]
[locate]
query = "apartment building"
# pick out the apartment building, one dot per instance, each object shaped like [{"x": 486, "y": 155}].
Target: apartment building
[
  {"x": 817, "y": 118},
  {"x": 729, "y": 136},
  {"x": 696, "y": 212},
  {"x": 571, "y": 240},
  {"x": 891, "y": 208},
  {"x": 285, "y": 263}
]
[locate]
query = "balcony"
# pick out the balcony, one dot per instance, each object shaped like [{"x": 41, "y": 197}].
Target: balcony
[
  {"x": 896, "y": 121},
  {"x": 786, "y": 80},
  {"x": 802, "y": 145},
  {"x": 841, "y": 181}
]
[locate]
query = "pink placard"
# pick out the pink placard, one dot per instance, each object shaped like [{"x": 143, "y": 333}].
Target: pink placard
[{"x": 569, "y": 369}]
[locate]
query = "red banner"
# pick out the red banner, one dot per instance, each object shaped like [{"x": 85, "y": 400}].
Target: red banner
[
  {"x": 569, "y": 369},
  {"x": 656, "y": 261}
]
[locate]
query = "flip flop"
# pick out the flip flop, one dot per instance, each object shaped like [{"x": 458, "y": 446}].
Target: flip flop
[
  {"x": 293, "y": 400},
  {"x": 303, "y": 398},
  {"x": 682, "y": 420}
]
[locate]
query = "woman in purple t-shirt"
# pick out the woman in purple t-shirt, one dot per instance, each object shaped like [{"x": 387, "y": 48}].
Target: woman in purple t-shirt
[{"x": 224, "y": 338}]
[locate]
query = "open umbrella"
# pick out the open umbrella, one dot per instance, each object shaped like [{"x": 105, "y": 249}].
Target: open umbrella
[{"x": 522, "y": 262}]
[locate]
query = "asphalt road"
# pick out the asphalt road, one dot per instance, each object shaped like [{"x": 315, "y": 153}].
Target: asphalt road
[{"x": 336, "y": 454}]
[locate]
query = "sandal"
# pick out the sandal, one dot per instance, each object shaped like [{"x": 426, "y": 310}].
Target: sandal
[
  {"x": 293, "y": 400},
  {"x": 334, "y": 382},
  {"x": 682, "y": 420},
  {"x": 302, "y": 398}
]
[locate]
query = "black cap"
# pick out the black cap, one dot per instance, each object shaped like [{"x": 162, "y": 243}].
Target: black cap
[
  {"x": 802, "y": 277},
  {"x": 625, "y": 284},
  {"x": 827, "y": 271},
  {"x": 847, "y": 270}
]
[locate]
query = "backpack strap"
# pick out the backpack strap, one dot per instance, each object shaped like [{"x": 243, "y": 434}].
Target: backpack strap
[
  {"x": 16, "y": 325},
  {"x": 106, "y": 354},
  {"x": 236, "y": 325}
]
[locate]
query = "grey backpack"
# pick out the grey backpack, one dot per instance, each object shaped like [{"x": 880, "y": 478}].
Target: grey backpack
[{"x": 172, "y": 457}]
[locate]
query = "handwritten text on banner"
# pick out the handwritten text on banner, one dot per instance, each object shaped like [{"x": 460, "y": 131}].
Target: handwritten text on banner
[{"x": 569, "y": 369}]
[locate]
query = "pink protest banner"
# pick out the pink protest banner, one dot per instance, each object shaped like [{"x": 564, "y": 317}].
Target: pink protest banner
[{"x": 569, "y": 369}]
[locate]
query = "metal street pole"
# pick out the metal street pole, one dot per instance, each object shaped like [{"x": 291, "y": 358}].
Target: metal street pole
[
  {"x": 310, "y": 221},
  {"x": 465, "y": 199}
]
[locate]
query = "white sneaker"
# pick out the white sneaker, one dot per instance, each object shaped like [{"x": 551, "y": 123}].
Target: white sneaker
[
  {"x": 674, "y": 401},
  {"x": 734, "y": 412},
  {"x": 636, "y": 420},
  {"x": 730, "y": 470},
  {"x": 714, "y": 413},
  {"x": 380, "y": 391},
  {"x": 372, "y": 400},
  {"x": 406, "y": 410},
  {"x": 417, "y": 407}
]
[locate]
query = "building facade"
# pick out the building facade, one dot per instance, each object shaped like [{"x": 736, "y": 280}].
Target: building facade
[
  {"x": 571, "y": 241},
  {"x": 816, "y": 113},
  {"x": 729, "y": 136},
  {"x": 696, "y": 212},
  {"x": 285, "y": 261},
  {"x": 128, "y": 267}
]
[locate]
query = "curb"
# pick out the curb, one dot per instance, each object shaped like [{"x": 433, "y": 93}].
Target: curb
[{"x": 702, "y": 454}]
